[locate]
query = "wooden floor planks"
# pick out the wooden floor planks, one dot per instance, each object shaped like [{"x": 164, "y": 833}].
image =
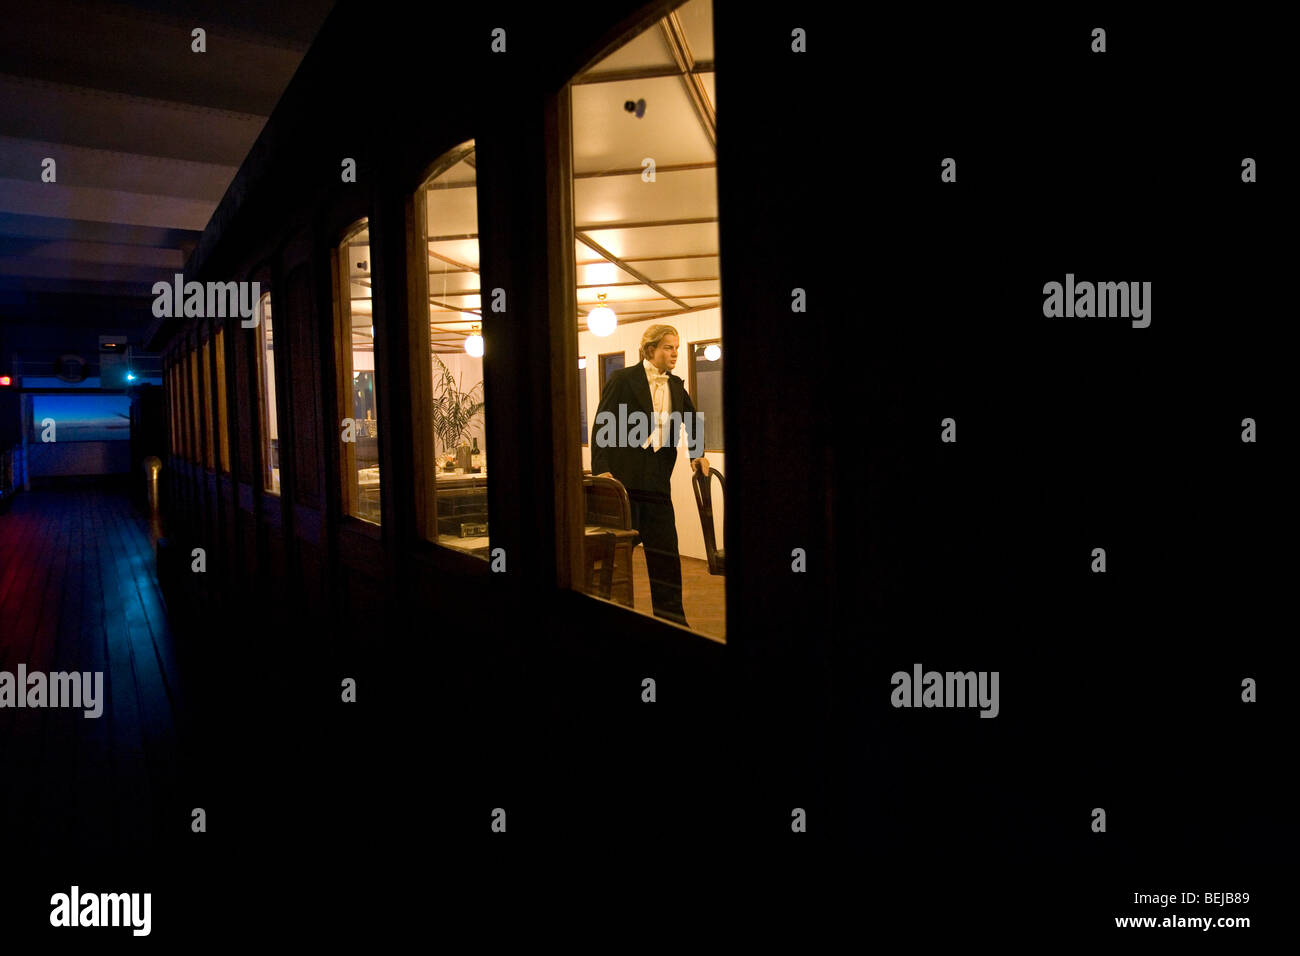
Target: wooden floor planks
[{"x": 78, "y": 592}]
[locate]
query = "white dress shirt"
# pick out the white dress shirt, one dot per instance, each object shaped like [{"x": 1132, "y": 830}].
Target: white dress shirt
[{"x": 663, "y": 404}]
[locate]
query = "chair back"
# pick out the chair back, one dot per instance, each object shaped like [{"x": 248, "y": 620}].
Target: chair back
[
  {"x": 704, "y": 502},
  {"x": 607, "y": 503}
]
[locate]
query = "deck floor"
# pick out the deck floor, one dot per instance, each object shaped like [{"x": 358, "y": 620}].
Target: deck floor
[{"x": 78, "y": 592}]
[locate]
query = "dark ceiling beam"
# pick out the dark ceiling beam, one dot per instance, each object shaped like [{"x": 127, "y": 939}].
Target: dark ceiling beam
[
  {"x": 460, "y": 266},
  {"x": 38, "y": 284},
  {"x": 675, "y": 37},
  {"x": 52, "y": 227},
  {"x": 83, "y": 44},
  {"x": 646, "y": 316},
  {"x": 98, "y": 119},
  {"x": 598, "y": 226},
  {"x": 677, "y": 168},
  {"x": 640, "y": 73},
  {"x": 595, "y": 247},
  {"x": 678, "y": 255},
  {"x": 612, "y": 285}
]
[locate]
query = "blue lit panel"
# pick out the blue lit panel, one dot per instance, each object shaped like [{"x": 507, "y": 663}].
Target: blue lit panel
[{"x": 83, "y": 417}]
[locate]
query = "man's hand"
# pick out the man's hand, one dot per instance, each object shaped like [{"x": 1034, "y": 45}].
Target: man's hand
[
  {"x": 605, "y": 474},
  {"x": 701, "y": 465}
]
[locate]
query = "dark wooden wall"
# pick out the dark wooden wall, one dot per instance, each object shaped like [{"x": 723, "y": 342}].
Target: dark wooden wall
[
  {"x": 514, "y": 690},
  {"x": 297, "y": 584}
]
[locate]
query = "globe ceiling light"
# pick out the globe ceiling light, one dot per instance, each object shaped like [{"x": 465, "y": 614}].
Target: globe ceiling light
[
  {"x": 601, "y": 320},
  {"x": 712, "y": 352},
  {"x": 474, "y": 344}
]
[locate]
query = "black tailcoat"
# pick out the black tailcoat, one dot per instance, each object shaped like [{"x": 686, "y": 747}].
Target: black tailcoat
[{"x": 641, "y": 469}]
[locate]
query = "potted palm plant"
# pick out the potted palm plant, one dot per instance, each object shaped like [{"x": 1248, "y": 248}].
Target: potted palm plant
[{"x": 454, "y": 413}]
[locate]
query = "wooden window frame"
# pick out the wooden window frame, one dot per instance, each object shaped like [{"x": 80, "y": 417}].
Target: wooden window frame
[
  {"x": 691, "y": 383},
  {"x": 600, "y": 369},
  {"x": 263, "y": 441},
  {"x": 342, "y": 344},
  {"x": 206, "y": 415},
  {"x": 221, "y": 398}
]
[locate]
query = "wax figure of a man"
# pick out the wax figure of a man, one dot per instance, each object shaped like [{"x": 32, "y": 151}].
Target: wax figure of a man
[{"x": 645, "y": 466}]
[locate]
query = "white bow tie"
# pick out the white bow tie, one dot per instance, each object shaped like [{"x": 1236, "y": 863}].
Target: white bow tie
[{"x": 661, "y": 377}]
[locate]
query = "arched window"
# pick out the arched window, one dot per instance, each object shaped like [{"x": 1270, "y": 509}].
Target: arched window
[
  {"x": 223, "y": 435},
  {"x": 195, "y": 417},
  {"x": 357, "y": 384},
  {"x": 266, "y": 397},
  {"x": 452, "y": 413},
  {"x": 648, "y": 283},
  {"x": 205, "y": 401}
]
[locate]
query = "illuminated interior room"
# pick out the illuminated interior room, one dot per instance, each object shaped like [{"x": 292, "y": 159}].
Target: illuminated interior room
[{"x": 646, "y": 253}]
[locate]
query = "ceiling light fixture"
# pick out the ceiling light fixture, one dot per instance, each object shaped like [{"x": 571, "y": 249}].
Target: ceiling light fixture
[
  {"x": 602, "y": 320},
  {"x": 474, "y": 344},
  {"x": 712, "y": 352}
]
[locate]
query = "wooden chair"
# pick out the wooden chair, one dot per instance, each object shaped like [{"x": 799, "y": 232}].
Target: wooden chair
[
  {"x": 600, "y": 547},
  {"x": 608, "y": 553},
  {"x": 704, "y": 502}
]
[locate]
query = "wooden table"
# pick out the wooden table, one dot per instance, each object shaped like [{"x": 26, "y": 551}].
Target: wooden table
[{"x": 477, "y": 546}]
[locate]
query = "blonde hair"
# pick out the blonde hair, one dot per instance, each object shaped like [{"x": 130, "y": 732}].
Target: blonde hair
[{"x": 652, "y": 336}]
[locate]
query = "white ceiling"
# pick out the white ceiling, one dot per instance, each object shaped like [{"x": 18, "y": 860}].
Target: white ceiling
[{"x": 652, "y": 248}]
